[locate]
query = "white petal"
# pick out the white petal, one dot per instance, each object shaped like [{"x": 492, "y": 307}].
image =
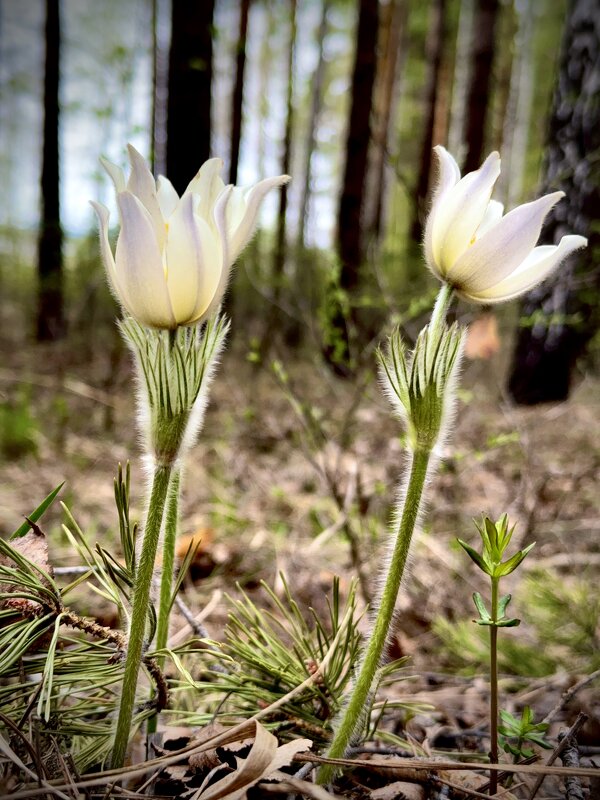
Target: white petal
[
  {"x": 239, "y": 238},
  {"x": 492, "y": 217},
  {"x": 448, "y": 176},
  {"x": 541, "y": 262},
  {"x": 461, "y": 212},
  {"x": 236, "y": 208},
  {"x": 208, "y": 184},
  {"x": 139, "y": 270},
  {"x": 193, "y": 263},
  {"x": 107, "y": 255},
  {"x": 115, "y": 173},
  {"x": 503, "y": 248},
  {"x": 142, "y": 185},
  {"x": 167, "y": 197},
  {"x": 220, "y": 223}
]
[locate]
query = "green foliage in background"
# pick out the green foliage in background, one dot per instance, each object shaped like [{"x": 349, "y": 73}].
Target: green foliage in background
[{"x": 18, "y": 429}]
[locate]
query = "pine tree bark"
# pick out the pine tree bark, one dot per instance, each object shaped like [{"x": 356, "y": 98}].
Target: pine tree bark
[
  {"x": 340, "y": 318},
  {"x": 286, "y": 160},
  {"x": 433, "y": 49},
  {"x": 315, "y": 110},
  {"x": 559, "y": 318},
  {"x": 238, "y": 92},
  {"x": 482, "y": 58},
  {"x": 520, "y": 103},
  {"x": 279, "y": 253},
  {"x": 190, "y": 79},
  {"x": 461, "y": 80},
  {"x": 391, "y": 58},
  {"x": 50, "y": 309},
  {"x": 349, "y": 232}
]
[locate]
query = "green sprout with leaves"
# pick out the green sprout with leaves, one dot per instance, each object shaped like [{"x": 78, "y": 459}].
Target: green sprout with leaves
[
  {"x": 516, "y": 732},
  {"x": 495, "y": 537}
]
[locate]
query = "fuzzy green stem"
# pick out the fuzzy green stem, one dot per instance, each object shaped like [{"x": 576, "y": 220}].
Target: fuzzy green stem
[
  {"x": 442, "y": 304},
  {"x": 494, "y": 688},
  {"x": 139, "y": 612},
  {"x": 167, "y": 573},
  {"x": 168, "y": 562},
  {"x": 353, "y": 715}
]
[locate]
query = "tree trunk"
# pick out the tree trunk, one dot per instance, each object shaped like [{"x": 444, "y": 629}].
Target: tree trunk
[
  {"x": 315, "y": 110},
  {"x": 518, "y": 117},
  {"x": 393, "y": 23},
  {"x": 190, "y": 78},
  {"x": 559, "y": 318},
  {"x": 279, "y": 253},
  {"x": 280, "y": 248},
  {"x": 349, "y": 232},
  {"x": 50, "y": 312},
  {"x": 482, "y": 58},
  {"x": 433, "y": 54},
  {"x": 238, "y": 92},
  {"x": 460, "y": 83},
  {"x": 505, "y": 66},
  {"x": 338, "y": 309}
]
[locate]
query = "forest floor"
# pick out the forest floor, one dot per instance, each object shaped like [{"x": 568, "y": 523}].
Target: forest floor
[{"x": 304, "y": 489}]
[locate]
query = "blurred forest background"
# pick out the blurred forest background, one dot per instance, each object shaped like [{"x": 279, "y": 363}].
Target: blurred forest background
[{"x": 348, "y": 97}]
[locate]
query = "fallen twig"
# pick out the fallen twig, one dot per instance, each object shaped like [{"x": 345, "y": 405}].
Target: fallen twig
[{"x": 570, "y": 758}]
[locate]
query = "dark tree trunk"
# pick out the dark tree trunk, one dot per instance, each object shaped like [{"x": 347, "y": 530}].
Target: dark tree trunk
[
  {"x": 482, "y": 58},
  {"x": 349, "y": 232},
  {"x": 315, "y": 110},
  {"x": 238, "y": 92},
  {"x": 337, "y": 311},
  {"x": 279, "y": 253},
  {"x": 190, "y": 78},
  {"x": 433, "y": 50},
  {"x": 286, "y": 160},
  {"x": 50, "y": 311},
  {"x": 559, "y": 318}
]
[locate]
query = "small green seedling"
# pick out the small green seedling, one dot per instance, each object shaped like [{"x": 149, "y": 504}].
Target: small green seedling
[
  {"x": 515, "y": 732},
  {"x": 495, "y": 537}
]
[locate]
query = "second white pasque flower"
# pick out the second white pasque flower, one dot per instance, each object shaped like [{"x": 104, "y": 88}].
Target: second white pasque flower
[
  {"x": 486, "y": 256},
  {"x": 174, "y": 254}
]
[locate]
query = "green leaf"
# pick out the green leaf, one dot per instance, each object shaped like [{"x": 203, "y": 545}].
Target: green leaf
[
  {"x": 503, "y": 604},
  {"x": 508, "y": 623},
  {"x": 484, "y": 614},
  {"x": 504, "y": 534},
  {"x": 510, "y": 566},
  {"x": 474, "y": 555},
  {"x": 23, "y": 529},
  {"x": 492, "y": 539}
]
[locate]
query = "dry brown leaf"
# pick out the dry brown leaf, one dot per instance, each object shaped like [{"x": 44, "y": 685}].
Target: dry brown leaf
[
  {"x": 207, "y": 759},
  {"x": 264, "y": 758},
  {"x": 399, "y": 790},
  {"x": 34, "y": 547},
  {"x": 483, "y": 340},
  {"x": 200, "y": 540}
]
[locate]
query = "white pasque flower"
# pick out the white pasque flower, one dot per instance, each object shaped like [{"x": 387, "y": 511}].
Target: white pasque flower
[
  {"x": 174, "y": 254},
  {"x": 485, "y": 256}
]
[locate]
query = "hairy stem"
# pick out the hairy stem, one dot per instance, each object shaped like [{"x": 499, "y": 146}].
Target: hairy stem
[
  {"x": 139, "y": 612},
  {"x": 353, "y": 716},
  {"x": 442, "y": 304},
  {"x": 167, "y": 573}
]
